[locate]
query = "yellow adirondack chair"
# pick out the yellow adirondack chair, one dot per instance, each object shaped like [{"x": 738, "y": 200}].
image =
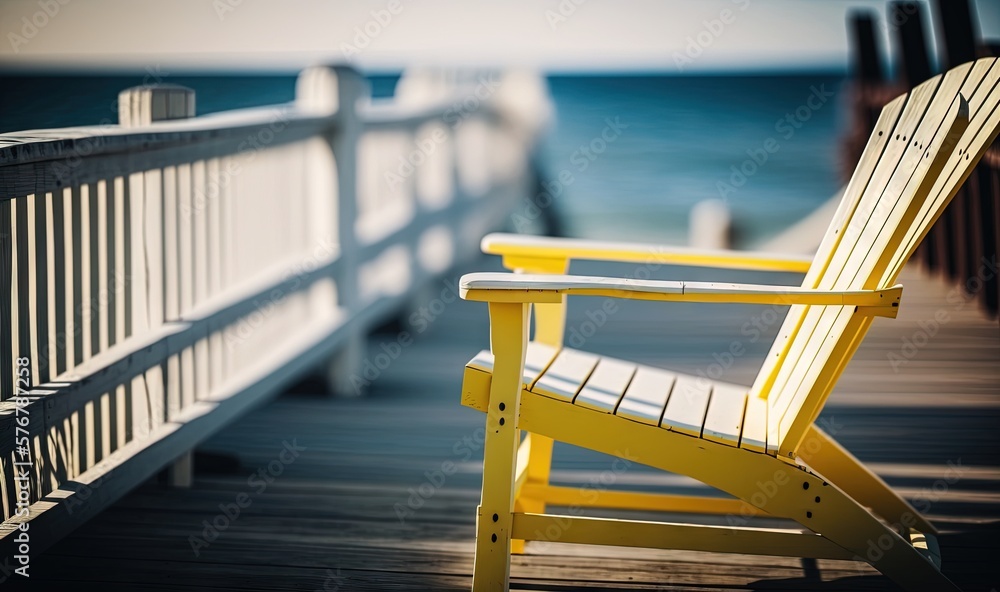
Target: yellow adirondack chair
[{"x": 732, "y": 438}]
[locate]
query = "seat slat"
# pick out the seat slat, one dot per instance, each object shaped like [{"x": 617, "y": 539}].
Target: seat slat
[
  {"x": 566, "y": 375},
  {"x": 754, "y": 436},
  {"x": 647, "y": 395},
  {"x": 536, "y": 359},
  {"x": 724, "y": 418},
  {"x": 606, "y": 385},
  {"x": 685, "y": 411}
]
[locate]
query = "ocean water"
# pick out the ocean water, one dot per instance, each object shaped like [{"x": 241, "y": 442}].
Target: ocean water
[
  {"x": 635, "y": 152},
  {"x": 684, "y": 138}
]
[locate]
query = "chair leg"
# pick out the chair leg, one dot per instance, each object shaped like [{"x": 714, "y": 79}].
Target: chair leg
[
  {"x": 842, "y": 520},
  {"x": 508, "y": 336},
  {"x": 828, "y": 458}
]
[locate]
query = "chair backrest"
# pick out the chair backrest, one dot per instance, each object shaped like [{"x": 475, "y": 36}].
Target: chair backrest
[{"x": 922, "y": 149}]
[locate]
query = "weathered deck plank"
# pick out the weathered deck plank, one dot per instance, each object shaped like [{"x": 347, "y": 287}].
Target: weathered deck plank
[{"x": 383, "y": 495}]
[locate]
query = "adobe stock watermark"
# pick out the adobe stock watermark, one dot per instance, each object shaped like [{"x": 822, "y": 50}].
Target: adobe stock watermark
[
  {"x": 580, "y": 159},
  {"x": 454, "y": 116},
  {"x": 332, "y": 582},
  {"x": 563, "y": 12},
  {"x": 266, "y": 306},
  {"x": 753, "y": 330},
  {"x": 436, "y": 478},
  {"x": 712, "y": 29},
  {"x": 590, "y": 492},
  {"x": 768, "y": 490},
  {"x": 372, "y": 28},
  {"x": 117, "y": 284},
  {"x": 246, "y": 153},
  {"x": 898, "y": 18},
  {"x": 877, "y": 548},
  {"x": 85, "y": 147},
  {"x": 224, "y": 7},
  {"x": 258, "y": 482},
  {"x": 786, "y": 127},
  {"x": 390, "y": 350},
  {"x": 959, "y": 297},
  {"x": 578, "y": 333},
  {"x": 32, "y": 24}
]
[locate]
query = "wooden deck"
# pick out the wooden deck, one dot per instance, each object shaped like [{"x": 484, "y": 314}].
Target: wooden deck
[{"x": 367, "y": 504}]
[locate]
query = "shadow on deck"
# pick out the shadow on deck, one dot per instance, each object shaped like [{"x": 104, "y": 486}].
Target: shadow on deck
[{"x": 380, "y": 492}]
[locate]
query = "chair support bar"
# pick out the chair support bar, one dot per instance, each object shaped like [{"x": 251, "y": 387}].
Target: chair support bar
[{"x": 665, "y": 535}]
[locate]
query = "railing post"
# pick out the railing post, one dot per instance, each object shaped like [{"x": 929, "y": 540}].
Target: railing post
[
  {"x": 143, "y": 105},
  {"x": 975, "y": 232},
  {"x": 140, "y": 106},
  {"x": 958, "y": 35},
  {"x": 865, "y": 54},
  {"x": 867, "y": 69},
  {"x": 710, "y": 225},
  {"x": 337, "y": 90},
  {"x": 913, "y": 68}
]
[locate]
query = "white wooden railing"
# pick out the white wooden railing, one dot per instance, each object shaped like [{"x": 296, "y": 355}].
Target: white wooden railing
[{"x": 159, "y": 277}]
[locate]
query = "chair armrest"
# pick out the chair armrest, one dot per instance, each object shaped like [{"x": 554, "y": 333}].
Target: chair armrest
[
  {"x": 519, "y": 250},
  {"x": 507, "y": 287}
]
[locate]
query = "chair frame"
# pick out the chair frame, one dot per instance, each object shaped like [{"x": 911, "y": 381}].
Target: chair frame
[{"x": 847, "y": 511}]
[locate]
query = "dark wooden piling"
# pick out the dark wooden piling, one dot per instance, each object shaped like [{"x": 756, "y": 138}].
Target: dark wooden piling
[
  {"x": 962, "y": 245},
  {"x": 865, "y": 51},
  {"x": 906, "y": 21}
]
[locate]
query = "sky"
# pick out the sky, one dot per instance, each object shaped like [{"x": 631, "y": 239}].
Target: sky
[{"x": 553, "y": 35}]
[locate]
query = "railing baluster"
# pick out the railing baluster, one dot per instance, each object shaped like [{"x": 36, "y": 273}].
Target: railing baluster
[
  {"x": 107, "y": 267},
  {"x": 186, "y": 271},
  {"x": 158, "y": 266},
  {"x": 119, "y": 284},
  {"x": 61, "y": 302},
  {"x": 38, "y": 286},
  {"x": 135, "y": 407},
  {"x": 200, "y": 187},
  {"x": 89, "y": 308},
  {"x": 23, "y": 305},
  {"x": 73, "y": 202},
  {"x": 102, "y": 233},
  {"x": 214, "y": 256},
  {"x": 171, "y": 285},
  {"x": 8, "y": 330}
]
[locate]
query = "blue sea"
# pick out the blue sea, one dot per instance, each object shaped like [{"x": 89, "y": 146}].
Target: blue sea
[{"x": 641, "y": 149}]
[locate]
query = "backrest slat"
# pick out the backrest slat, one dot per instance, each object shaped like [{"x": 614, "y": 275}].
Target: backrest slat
[
  {"x": 802, "y": 322},
  {"x": 848, "y": 203},
  {"x": 838, "y": 329},
  {"x": 908, "y": 172}
]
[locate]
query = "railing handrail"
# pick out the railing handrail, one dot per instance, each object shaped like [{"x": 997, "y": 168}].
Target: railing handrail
[
  {"x": 54, "y": 144},
  {"x": 40, "y": 145}
]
